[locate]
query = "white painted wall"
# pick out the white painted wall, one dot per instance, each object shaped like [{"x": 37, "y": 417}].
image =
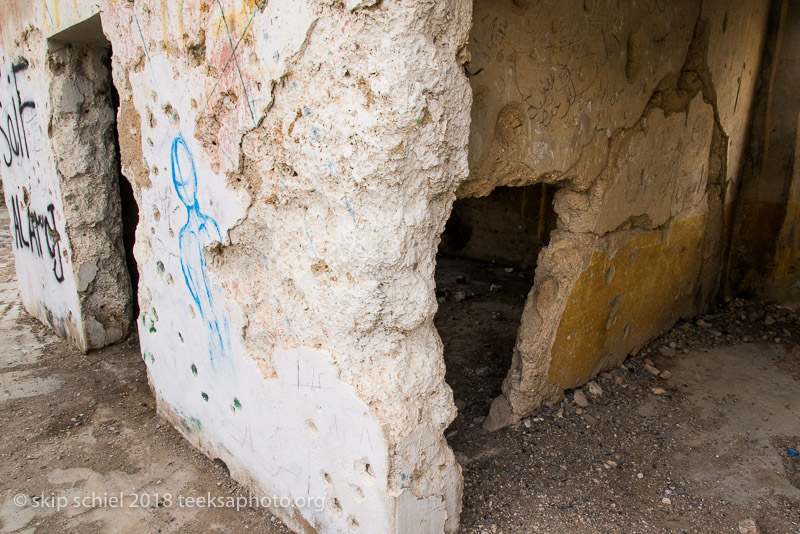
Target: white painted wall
[
  {"x": 42, "y": 253},
  {"x": 286, "y": 255}
]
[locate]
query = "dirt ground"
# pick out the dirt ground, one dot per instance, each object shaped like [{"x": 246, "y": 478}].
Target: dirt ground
[
  {"x": 708, "y": 451},
  {"x": 698, "y": 448}
]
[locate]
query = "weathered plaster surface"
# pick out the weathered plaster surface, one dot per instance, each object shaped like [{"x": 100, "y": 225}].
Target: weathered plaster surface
[
  {"x": 765, "y": 256},
  {"x": 60, "y": 177},
  {"x": 323, "y": 162},
  {"x": 637, "y": 113},
  {"x": 553, "y": 81},
  {"x": 42, "y": 251}
]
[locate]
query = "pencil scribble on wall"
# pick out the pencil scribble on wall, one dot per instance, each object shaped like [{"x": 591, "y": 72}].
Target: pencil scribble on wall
[{"x": 199, "y": 231}]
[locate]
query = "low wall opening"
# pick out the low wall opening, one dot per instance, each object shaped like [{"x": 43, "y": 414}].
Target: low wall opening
[
  {"x": 101, "y": 210},
  {"x": 484, "y": 271}
]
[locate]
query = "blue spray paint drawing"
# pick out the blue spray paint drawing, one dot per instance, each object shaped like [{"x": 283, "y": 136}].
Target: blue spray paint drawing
[{"x": 199, "y": 231}]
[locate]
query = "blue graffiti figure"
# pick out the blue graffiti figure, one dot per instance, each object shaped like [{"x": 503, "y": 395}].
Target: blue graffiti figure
[{"x": 199, "y": 231}]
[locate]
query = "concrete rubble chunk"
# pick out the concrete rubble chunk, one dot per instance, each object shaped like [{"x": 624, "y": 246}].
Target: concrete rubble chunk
[
  {"x": 500, "y": 415},
  {"x": 652, "y": 370},
  {"x": 749, "y": 526},
  {"x": 579, "y": 397},
  {"x": 594, "y": 389}
]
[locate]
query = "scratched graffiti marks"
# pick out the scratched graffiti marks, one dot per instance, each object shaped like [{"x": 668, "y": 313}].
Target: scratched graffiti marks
[
  {"x": 199, "y": 231},
  {"x": 12, "y": 123},
  {"x": 557, "y": 68},
  {"x": 31, "y": 229}
]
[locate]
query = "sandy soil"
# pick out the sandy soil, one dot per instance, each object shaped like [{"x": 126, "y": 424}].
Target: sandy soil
[
  {"x": 698, "y": 451},
  {"x": 707, "y": 452}
]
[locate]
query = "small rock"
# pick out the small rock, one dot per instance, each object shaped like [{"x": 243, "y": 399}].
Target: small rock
[
  {"x": 590, "y": 420},
  {"x": 715, "y": 333},
  {"x": 500, "y": 415},
  {"x": 595, "y": 389},
  {"x": 580, "y": 398},
  {"x": 509, "y": 270},
  {"x": 659, "y": 391},
  {"x": 640, "y": 475},
  {"x": 702, "y": 323},
  {"x": 652, "y": 370},
  {"x": 618, "y": 380},
  {"x": 768, "y": 320},
  {"x": 666, "y": 500},
  {"x": 495, "y": 287},
  {"x": 460, "y": 296},
  {"x": 669, "y": 352},
  {"x": 648, "y": 361},
  {"x": 483, "y": 372},
  {"x": 527, "y": 423},
  {"x": 749, "y": 526},
  {"x": 666, "y": 375}
]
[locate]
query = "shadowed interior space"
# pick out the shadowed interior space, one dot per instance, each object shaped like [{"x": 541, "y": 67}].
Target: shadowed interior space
[{"x": 484, "y": 271}]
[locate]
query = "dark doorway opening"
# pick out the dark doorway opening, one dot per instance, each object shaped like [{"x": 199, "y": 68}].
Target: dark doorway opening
[
  {"x": 484, "y": 271},
  {"x": 130, "y": 209},
  {"x": 102, "y": 228}
]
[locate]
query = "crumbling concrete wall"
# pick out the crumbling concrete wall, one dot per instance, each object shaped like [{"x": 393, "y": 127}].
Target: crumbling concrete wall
[
  {"x": 765, "y": 256},
  {"x": 56, "y": 125},
  {"x": 294, "y": 163},
  {"x": 637, "y": 112},
  {"x": 83, "y": 136}
]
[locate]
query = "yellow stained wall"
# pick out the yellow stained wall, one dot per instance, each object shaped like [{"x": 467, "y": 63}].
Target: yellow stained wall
[{"x": 622, "y": 301}]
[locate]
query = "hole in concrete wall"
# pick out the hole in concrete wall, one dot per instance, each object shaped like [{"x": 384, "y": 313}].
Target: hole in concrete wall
[
  {"x": 484, "y": 271},
  {"x": 81, "y": 55},
  {"x": 130, "y": 209}
]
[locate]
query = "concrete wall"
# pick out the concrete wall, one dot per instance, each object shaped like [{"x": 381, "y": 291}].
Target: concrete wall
[
  {"x": 282, "y": 171},
  {"x": 638, "y": 113},
  {"x": 294, "y": 164},
  {"x": 60, "y": 176},
  {"x": 765, "y": 257}
]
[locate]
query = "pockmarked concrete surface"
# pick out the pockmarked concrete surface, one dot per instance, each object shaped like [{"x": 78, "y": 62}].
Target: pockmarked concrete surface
[{"x": 82, "y": 448}]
